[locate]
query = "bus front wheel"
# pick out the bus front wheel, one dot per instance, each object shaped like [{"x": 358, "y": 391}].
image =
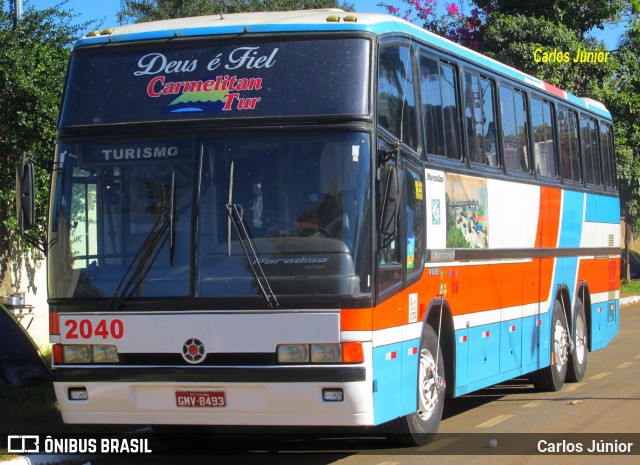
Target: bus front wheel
[
  {"x": 417, "y": 428},
  {"x": 552, "y": 377}
]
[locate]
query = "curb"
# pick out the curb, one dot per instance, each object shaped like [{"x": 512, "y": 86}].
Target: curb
[{"x": 629, "y": 300}]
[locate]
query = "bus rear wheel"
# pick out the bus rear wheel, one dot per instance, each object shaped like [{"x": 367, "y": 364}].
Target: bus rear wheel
[
  {"x": 578, "y": 359},
  {"x": 417, "y": 428},
  {"x": 552, "y": 377}
]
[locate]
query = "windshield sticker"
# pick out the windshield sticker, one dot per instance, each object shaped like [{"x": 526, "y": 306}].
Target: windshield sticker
[
  {"x": 214, "y": 93},
  {"x": 411, "y": 252},
  {"x": 419, "y": 195}
]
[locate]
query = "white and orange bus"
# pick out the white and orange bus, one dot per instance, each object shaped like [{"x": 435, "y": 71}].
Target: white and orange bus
[{"x": 319, "y": 218}]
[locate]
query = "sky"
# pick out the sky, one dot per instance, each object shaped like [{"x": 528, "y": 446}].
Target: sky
[{"x": 105, "y": 12}]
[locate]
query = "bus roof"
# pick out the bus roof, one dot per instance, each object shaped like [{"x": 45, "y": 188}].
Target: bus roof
[{"x": 327, "y": 20}]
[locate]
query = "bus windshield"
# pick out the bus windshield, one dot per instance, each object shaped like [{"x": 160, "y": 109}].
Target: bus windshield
[{"x": 146, "y": 219}]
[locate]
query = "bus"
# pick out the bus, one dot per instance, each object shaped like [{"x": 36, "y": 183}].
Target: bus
[{"x": 319, "y": 218}]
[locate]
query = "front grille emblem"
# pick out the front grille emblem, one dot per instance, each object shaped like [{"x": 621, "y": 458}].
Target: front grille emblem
[{"x": 193, "y": 351}]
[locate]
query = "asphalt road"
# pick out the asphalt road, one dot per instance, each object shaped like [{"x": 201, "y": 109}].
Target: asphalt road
[{"x": 507, "y": 423}]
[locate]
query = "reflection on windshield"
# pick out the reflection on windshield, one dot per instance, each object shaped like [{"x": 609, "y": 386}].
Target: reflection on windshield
[
  {"x": 110, "y": 225},
  {"x": 304, "y": 201}
]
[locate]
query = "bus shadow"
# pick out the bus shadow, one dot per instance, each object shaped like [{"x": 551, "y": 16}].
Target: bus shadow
[{"x": 458, "y": 405}]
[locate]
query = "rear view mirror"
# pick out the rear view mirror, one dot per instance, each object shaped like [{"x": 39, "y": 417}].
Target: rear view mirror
[{"x": 25, "y": 196}]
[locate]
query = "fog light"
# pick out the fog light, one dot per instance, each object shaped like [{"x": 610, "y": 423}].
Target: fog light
[
  {"x": 78, "y": 393},
  {"x": 293, "y": 353},
  {"x": 326, "y": 353},
  {"x": 76, "y": 354},
  {"x": 332, "y": 395},
  {"x": 105, "y": 354}
]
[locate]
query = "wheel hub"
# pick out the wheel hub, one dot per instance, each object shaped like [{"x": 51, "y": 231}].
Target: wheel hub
[{"x": 429, "y": 385}]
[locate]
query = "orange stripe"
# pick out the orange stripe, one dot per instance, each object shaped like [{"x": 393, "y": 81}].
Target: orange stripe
[
  {"x": 601, "y": 274},
  {"x": 549, "y": 217},
  {"x": 356, "y": 319}
]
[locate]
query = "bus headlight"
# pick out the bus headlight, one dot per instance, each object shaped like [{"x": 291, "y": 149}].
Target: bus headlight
[
  {"x": 293, "y": 353},
  {"x": 346, "y": 352},
  {"x": 76, "y": 354},
  {"x": 105, "y": 354},
  {"x": 326, "y": 353}
]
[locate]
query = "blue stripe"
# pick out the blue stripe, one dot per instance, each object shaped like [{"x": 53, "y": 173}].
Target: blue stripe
[
  {"x": 602, "y": 209},
  {"x": 571, "y": 219},
  {"x": 387, "y": 376},
  {"x": 605, "y": 323}
]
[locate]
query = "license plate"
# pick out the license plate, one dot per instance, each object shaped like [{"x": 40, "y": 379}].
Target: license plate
[{"x": 205, "y": 399}]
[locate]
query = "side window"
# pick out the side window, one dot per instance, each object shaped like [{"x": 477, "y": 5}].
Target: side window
[
  {"x": 569, "y": 153},
  {"x": 401, "y": 244},
  {"x": 590, "y": 151},
  {"x": 84, "y": 218},
  {"x": 414, "y": 218},
  {"x": 544, "y": 147},
  {"x": 514, "y": 129},
  {"x": 608, "y": 156},
  {"x": 480, "y": 116},
  {"x": 396, "y": 95},
  {"x": 440, "y": 108}
]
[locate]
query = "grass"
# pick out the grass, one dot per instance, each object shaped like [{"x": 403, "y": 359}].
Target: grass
[
  {"x": 631, "y": 287},
  {"x": 33, "y": 409}
]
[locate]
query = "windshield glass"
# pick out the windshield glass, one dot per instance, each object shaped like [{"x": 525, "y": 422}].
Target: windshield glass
[{"x": 150, "y": 219}]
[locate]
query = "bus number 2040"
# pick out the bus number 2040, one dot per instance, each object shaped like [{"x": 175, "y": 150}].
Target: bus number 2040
[{"x": 85, "y": 329}]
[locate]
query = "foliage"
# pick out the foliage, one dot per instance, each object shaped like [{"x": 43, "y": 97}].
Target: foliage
[
  {"x": 623, "y": 99},
  {"x": 151, "y": 10},
  {"x": 33, "y": 64},
  {"x": 454, "y": 24},
  {"x": 520, "y": 41},
  {"x": 579, "y": 16}
]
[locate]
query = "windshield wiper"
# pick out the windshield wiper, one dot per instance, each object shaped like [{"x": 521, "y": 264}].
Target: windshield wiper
[
  {"x": 148, "y": 252},
  {"x": 248, "y": 246},
  {"x": 144, "y": 258}
]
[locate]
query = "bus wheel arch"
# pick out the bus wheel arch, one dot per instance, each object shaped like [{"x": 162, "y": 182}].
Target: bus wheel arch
[
  {"x": 447, "y": 338},
  {"x": 418, "y": 427}
]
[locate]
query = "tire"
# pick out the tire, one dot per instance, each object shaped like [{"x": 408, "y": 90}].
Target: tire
[
  {"x": 418, "y": 427},
  {"x": 578, "y": 358},
  {"x": 552, "y": 378}
]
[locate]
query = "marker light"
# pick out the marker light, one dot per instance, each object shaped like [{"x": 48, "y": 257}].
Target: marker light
[
  {"x": 332, "y": 395},
  {"x": 352, "y": 352},
  {"x": 78, "y": 393}
]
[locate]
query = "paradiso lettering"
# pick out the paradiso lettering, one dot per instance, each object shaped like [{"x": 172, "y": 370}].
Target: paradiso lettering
[{"x": 221, "y": 92}]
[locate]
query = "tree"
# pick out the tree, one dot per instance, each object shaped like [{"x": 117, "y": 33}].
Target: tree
[
  {"x": 579, "y": 16},
  {"x": 138, "y": 11},
  {"x": 521, "y": 42},
  {"x": 33, "y": 65},
  {"x": 623, "y": 99}
]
